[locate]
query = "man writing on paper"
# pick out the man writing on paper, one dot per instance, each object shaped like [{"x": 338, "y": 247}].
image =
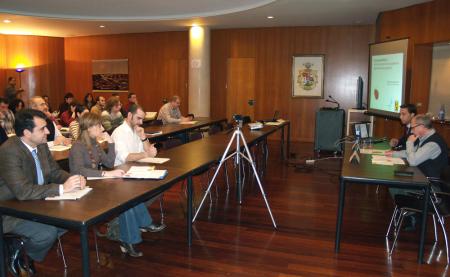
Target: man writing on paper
[
  {"x": 170, "y": 112},
  {"x": 131, "y": 144},
  {"x": 29, "y": 172},
  {"x": 407, "y": 112},
  {"x": 425, "y": 149}
]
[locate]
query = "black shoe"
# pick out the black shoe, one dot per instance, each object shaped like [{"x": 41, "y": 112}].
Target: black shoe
[
  {"x": 14, "y": 252},
  {"x": 153, "y": 228},
  {"x": 410, "y": 225},
  {"x": 27, "y": 265},
  {"x": 128, "y": 248}
]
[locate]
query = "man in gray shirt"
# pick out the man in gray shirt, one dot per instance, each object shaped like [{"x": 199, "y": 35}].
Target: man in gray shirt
[
  {"x": 11, "y": 93},
  {"x": 170, "y": 112}
]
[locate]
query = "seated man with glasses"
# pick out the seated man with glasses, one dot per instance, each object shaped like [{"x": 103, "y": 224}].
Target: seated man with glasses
[{"x": 425, "y": 149}]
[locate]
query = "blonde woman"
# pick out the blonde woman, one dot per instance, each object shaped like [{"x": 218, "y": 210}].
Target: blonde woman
[{"x": 87, "y": 157}]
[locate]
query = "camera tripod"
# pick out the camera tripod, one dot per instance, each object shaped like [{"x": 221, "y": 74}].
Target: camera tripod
[{"x": 239, "y": 156}]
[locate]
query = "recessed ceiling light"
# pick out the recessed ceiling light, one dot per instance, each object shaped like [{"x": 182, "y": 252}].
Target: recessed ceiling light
[
  {"x": 270, "y": 17},
  {"x": 6, "y": 21},
  {"x": 102, "y": 26}
]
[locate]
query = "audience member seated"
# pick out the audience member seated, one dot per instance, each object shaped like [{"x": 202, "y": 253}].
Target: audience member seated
[
  {"x": 407, "y": 112},
  {"x": 74, "y": 126},
  {"x": 3, "y": 135},
  {"x": 17, "y": 105},
  {"x": 11, "y": 92},
  {"x": 45, "y": 97},
  {"x": 89, "y": 101},
  {"x": 87, "y": 158},
  {"x": 132, "y": 100},
  {"x": 170, "y": 112},
  {"x": 68, "y": 116},
  {"x": 55, "y": 136},
  {"x": 112, "y": 117},
  {"x": 68, "y": 99},
  {"x": 29, "y": 172},
  {"x": 99, "y": 106},
  {"x": 6, "y": 117},
  {"x": 425, "y": 149},
  {"x": 131, "y": 144}
]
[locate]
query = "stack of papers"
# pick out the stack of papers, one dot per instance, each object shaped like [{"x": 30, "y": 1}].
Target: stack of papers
[
  {"x": 273, "y": 123},
  {"x": 383, "y": 160},
  {"x": 145, "y": 172},
  {"x": 372, "y": 151},
  {"x": 73, "y": 195},
  {"x": 154, "y": 160},
  {"x": 188, "y": 122},
  {"x": 255, "y": 126},
  {"x": 59, "y": 148}
]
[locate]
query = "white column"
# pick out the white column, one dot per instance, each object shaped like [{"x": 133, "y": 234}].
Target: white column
[{"x": 199, "y": 67}]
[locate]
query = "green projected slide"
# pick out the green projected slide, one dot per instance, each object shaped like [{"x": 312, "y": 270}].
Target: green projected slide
[{"x": 386, "y": 82}]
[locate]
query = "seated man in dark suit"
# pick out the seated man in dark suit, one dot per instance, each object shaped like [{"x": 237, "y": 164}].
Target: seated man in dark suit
[
  {"x": 407, "y": 112},
  {"x": 28, "y": 172},
  {"x": 425, "y": 149}
]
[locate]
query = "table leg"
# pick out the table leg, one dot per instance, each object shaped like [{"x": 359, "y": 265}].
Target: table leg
[
  {"x": 85, "y": 250},
  {"x": 339, "y": 215},
  {"x": 189, "y": 210},
  {"x": 283, "y": 157},
  {"x": 423, "y": 229},
  {"x": 288, "y": 142},
  {"x": 2, "y": 250}
]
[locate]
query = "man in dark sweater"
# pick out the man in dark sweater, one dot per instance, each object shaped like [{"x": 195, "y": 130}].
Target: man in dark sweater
[{"x": 425, "y": 149}]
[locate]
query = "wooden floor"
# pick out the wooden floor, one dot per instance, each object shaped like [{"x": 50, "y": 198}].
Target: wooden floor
[{"x": 233, "y": 240}]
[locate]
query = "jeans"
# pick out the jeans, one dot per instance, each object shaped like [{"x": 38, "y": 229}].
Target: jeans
[{"x": 130, "y": 222}]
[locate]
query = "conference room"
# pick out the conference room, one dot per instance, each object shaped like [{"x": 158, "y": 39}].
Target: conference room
[{"x": 218, "y": 138}]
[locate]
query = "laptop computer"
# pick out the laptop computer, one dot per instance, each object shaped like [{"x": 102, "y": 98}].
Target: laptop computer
[{"x": 275, "y": 117}]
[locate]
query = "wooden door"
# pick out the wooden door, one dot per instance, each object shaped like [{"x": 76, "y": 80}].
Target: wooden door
[{"x": 240, "y": 86}]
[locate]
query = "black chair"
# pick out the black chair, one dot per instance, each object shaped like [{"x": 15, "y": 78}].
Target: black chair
[{"x": 413, "y": 203}]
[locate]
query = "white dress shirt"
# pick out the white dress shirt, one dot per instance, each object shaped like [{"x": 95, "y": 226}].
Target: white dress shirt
[{"x": 127, "y": 141}]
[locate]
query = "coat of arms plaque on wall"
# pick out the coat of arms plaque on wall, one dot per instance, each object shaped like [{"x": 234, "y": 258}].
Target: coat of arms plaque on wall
[{"x": 307, "y": 76}]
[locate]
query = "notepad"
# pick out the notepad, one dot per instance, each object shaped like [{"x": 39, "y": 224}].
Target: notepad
[
  {"x": 276, "y": 123},
  {"x": 145, "y": 172},
  {"x": 188, "y": 122},
  {"x": 73, "y": 195},
  {"x": 154, "y": 160}
]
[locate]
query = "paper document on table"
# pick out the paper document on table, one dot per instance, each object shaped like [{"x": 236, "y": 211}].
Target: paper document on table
[
  {"x": 73, "y": 195},
  {"x": 154, "y": 133},
  {"x": 145, "y": 172},
  {"x": 154, "y": 160},
  {"x": 101, "y": 178},
  {"x": 372, "y": 151},
  {"x": 59, "y": 148},
  {"x": 188, "y": 122},
  {"x": 383, "y": 160},
  {"x": 273, "y": 123}
]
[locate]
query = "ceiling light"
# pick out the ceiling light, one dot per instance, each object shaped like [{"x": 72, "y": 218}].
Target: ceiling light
[
  {"x": 6, "y": 21},
  {"x": 270, "y": 17},
  {"x": 102, "y": 26}
]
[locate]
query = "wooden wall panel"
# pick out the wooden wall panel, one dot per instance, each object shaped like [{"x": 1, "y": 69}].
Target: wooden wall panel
[
  {"x": 43, "y": 58},
  {"x": 157, "y": 64},
  {"x": 346, "y": 51},
  {"x": 424, "y": 24}
]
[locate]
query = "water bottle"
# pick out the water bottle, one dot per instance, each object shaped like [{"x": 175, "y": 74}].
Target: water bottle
[{"x": 441, "y": 114}]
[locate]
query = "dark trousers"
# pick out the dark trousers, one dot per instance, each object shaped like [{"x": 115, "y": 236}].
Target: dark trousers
[{"x": 39, "y": 238}]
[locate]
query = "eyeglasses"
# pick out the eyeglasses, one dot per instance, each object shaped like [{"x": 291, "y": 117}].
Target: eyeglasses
[{"x": 412, "y": 127}]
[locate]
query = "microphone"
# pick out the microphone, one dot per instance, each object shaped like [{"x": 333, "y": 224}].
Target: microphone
[{"x": 333, "y": 101}]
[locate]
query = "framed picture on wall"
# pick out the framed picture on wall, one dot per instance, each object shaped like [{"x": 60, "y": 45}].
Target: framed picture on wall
[
  {"x": 308, "y": 76},
  {"x": 110, "y": 75}
]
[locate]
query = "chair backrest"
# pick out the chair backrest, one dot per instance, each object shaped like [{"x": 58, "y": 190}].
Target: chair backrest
[
  {"x": 195, "y": 136},
  {"x": 214, "y": 129}
]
